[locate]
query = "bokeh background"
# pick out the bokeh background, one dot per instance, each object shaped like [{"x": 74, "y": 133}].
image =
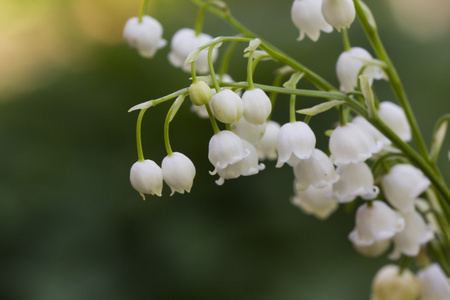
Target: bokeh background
[{"x": 72, "y": 227}]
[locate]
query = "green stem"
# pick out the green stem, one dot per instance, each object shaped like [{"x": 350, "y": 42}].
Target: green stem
[
  {"x": 143, "y": 9},
  {"x": 436, "y": 142},
  {"x": 342, "y": 117},
  {"x": 193, "y": 73},
  {"x": 166, "y": 130},
  {"x": 250, "y": 70},
  {"x": 273, "y": 95},
  {"x": 199, "y": 20},
  {"x": 307, "y": 119},
  {"x": 394, "y": 79},
  {"x": 346, "y": 40},
  {"x": 274, "y": 52},
  {"x": 150, "y": 103},
  {"x": 211, "y": 69},
  {"x": 292, "y": 114},
  {"x": 212, "y": 119},
  {"x": 138, "y": 135}
]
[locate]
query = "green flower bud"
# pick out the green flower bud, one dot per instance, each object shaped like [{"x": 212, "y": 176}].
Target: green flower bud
[{"x": 200, "y": 93}]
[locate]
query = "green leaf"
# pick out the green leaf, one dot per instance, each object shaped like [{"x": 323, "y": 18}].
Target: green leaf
[
  {"x": 292, "y": 82},
  {"x": 320, "y": 108},
  {"x": 176, "y": 106}
]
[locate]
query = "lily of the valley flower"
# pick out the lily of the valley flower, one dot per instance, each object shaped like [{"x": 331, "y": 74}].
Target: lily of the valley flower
[
  {"x": 146, "y": 36},
  {"x": 268, "y": 144},
  {"x": 339, "y": 13},
  {"x": 226, "y": 148},
  {"x": 178, "y": 172},
  {"x": 350, "y": 144},
  {"x": 307, "y": 17},
  {"x": 183, "y": 42},
  {"x": 315, "y": 201},
  {"x": 257, "y": 106},
  {"x": 434, "y": 284},
  {"x": 295, "y": 141},
  {"x": 373, "y": 250},
  {"x": 318, "y": 171},
  {"x": 248, "y": 131},
  {"x": 380, "y": 140},
  {"x": 355, "y": 180},
  {"x": 415, "y": 234},
  {"x": 146, "y": 177},
  {"x": 376, "y": 222},
  {"x": 391, "y": 284},
  {"x": 402, "y": 185},
  {"x": 200, "y": 93},
  {"x": 227, "y": 106},
  {"x": 394, "y": 116}
]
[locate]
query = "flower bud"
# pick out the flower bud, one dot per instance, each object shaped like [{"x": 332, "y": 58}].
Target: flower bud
[
  {"x": 257, "y": 106},
  {"x": 227, "y": 106},
  {"x": 146, "y": 177},
  {"x": 178, "y": 172},
  {"x": 339, "y": 13},
  {"x": 144, "y": 36},
  {"x": 200, "y": 93},
  {"x": 389, "y": 284}
]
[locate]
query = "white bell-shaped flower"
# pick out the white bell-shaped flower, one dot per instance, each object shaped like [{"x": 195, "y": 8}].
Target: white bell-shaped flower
[
  {"x": 227, "y": 106},
  {"x": 257, "y": 106},
  {"x": 402, "y": 185},
  {"x": 394, "y": 116},
  {"x": 146, "y": 177},
  {"x": 268, "y": 145},
  {"x": 248, "y": 131},
  {"x": 295, "y": 141},
  {"x": 339, "y": 13},
  {"x": 376, "y": 222},
  {"x": 307, "y": 17},
  {"x": 434, "y": 284},
  {"x": 415, "y": 234},
  {"x": 178, "y": 172},
  {"x": 391, "y": 284},
  {"x": 354, "y": 180},
  {"x": 146, "y": 36},
  {"x": 226, "y": 148},
  {"x": 373, "y": 250},
  {"x": 380, "y": 140},
  {"x": 249, "y": 165},
  {"x": 315, "y": 201},
  {"x": 318, "y": 171},
  {"x": 348, "y": 68},
  {"x": 184, "y": 41},
  {"x": 350, "y": 144}
]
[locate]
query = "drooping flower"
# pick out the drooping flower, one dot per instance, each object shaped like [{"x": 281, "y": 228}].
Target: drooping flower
[
  {"x": 178, "y": 172},
  {"x": 318, "y": 171},
  {"x": 247, "y": 166},
  {"x": 257, "y": 106},
  {"x": 339, "y": 13},
  {"x": 146, "y": 177},
  {"x": 348, "y": 68},
  {"x": 146, "y": 36},
  {"x": 226, "y": 148},
  {"x": 394, "y": 116},
  {"x": 376, "y": 222},
  {"x": 355, "y": 180},
  {"x": 373, "y": 250},
  {"x": 227, "y": 106},
  {"x": 295, "y": 141},
  {"x": 415, "y": 234},
  {"x": 315, "y": 201},
  {"x": 434, "y": 284},
  {"x": 184, "y": 41},
  {"x": 392, "y": 284},
  {"x": 350, "y": 144},
  {"x": 381, "y": 141},
  {"x": 268, "y": 145},
  {"x": 402, "y": 185},
  {"x": 307, "y": 17},
  {"x": 248, "y": 131}
]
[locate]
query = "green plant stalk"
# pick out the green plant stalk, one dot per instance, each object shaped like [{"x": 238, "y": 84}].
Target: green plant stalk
[
  {"x": 226, "y": 58},
  {"x": 199, "y": 20},
  {"x": 138, "y": 135},
  {"x": 274, "y": 52},
  {"x": 394, "y": 79},
  {"x": 292, "y": 114},
  {"x": 211, "y": 69},
  {"x": 143, "y": 9},
  {"x": 212, "y": 119},
  {"x": 250, "y": 71},
  {"x": 346, "y": 40},
  {"x": 193, "y": 74},
  {"x": 166, "y": 130}
]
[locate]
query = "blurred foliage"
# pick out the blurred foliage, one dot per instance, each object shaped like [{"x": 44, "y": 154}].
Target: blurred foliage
[{"x": 72, "y": 227}]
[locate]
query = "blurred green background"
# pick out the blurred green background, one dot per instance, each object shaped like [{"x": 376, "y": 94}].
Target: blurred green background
[{"x": 72, "y": 227}]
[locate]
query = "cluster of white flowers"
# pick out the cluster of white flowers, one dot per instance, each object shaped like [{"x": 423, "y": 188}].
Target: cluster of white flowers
[{"x": 357, "y": 166}]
